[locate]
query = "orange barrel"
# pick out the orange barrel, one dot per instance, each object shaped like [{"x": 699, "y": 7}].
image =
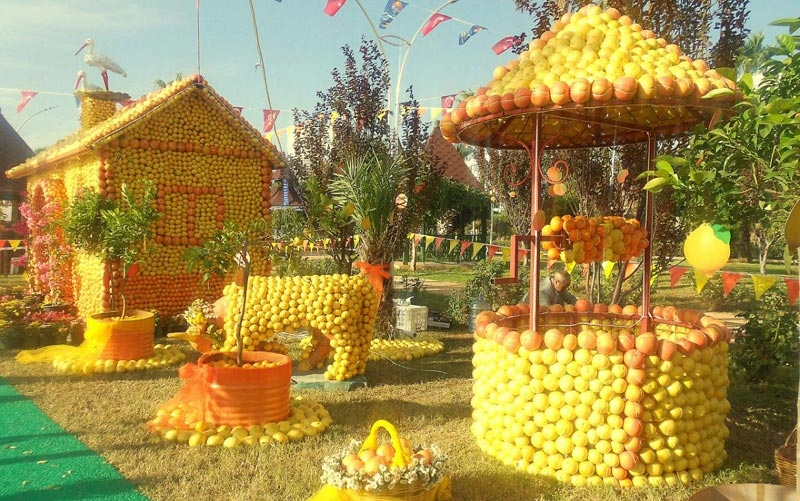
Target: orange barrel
[
  {"x": 132, "y": 338},
  {"x": 239, "y": 396}
]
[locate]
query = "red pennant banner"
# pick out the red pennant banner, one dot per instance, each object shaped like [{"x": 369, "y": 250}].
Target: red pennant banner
[
  {"x": 333, "y": 6},
  {"x": 434, "y": 21},
  {"x": 3, "y": 243},
  {"x": 464, "y": 246},
  {"x": 729, "y": 279},
  {"x": 27, "y": 95},
  {"x": 675, "y": 274},
  {"x": 437, "y": 242},
  {"x": 792, "y": 288},
  {"x": 504, "y": 44},
  {"x": 491, "y": 250},
  {"x": 448, "y": 101},
  {"x": 269, "y": 119}
]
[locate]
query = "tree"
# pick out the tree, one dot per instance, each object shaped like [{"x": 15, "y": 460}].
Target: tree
[
  {"x": 342, "y": 145},
  {"x": 745, "y": 170}
]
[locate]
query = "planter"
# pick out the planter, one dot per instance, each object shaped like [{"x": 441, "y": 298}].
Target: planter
[
  {"x": 240, "y": 396},
  {"x": 132, "y": 338}
]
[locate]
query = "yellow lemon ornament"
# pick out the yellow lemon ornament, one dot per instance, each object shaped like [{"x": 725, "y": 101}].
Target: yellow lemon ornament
[{"x": 707, "y": 248}]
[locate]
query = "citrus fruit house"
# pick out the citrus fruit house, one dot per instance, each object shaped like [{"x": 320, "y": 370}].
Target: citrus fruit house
[{"x": 208, "y": 165}]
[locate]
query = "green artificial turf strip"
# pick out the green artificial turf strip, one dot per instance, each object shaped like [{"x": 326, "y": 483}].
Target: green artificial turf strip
[{"x": 41, "y": 461}]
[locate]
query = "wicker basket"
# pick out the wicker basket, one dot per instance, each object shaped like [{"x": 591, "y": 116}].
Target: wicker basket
[{"x": 785, "y": 460}]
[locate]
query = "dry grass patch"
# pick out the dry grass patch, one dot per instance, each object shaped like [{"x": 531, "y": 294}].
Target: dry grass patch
[{"x": 427, "y": 399}]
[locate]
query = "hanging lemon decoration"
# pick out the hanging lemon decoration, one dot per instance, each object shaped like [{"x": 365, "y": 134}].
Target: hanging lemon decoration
[{"x": 707, "y": 248}]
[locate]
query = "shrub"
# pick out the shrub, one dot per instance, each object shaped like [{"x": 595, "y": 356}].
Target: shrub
[{"x": 768, "y": 339}]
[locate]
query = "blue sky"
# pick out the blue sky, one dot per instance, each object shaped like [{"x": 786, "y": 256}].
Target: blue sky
[{"x": 156, "y": 39}]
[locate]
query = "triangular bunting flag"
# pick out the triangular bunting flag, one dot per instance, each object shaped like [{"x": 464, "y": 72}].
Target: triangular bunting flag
[
  {"x": 311, "y": 246},
  {"x": 435, "y": 20},
  {"x": 305, "y": 245},
  {"x": 435, "y": 112},
  {"x": 570, "y": 266},
  {"x": 453, "y": 244},
  {"x": 356, "y": 240},
  {"x": 429, "y": 240},
  {"x": 417, "y": 238},
  {"x": 630, "y": 269},
  {"x": 326, "y": 242},
  {"x": 491, "y": 250},
  {"x": 476, "y": 248},
  {"x": 700, "y": 280},
  {"x": 333, "y": 6},
  {"x": 27, "y": 95},
  {"x": 464, "y": 246},
  {"x": 608, "y": 267},
  {"x": 729, "y": 279},
  {"x": 761, "y": 283},
  {"x": 675, "y": 274},
  {"x": 792, "y": 288},
  {"x": 448, "y": 101},
  {"x": 506, "y": 253},
  {"x": 438, "y": 243},
  {"x": 3, "y": 243},
  {"x": 269, "y": 119}
]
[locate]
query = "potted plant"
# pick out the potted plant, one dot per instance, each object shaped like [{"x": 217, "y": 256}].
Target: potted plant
[
  {"x": 116, "y": 231},
  {"x": 253, "y": 388}
]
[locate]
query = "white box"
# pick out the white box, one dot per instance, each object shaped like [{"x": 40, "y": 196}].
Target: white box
[{"x": 412, "y": 318}]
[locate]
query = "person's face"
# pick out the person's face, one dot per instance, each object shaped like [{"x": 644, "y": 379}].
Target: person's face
[{"x": 560, "y": 282}]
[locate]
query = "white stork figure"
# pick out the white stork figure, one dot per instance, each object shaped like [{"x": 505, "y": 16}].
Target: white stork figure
[
  {"x": 99, "y": 60},
  {"x": 85, "y": 82}
]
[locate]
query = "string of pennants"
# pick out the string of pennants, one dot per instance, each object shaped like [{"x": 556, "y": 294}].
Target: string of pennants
[
  {"x": 761, "y": 283},
  {"x": 12, "y": 244}
]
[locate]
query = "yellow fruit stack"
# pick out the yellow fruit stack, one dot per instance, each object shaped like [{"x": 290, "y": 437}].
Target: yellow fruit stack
[
  {"x": 342, "y": 307},
  {"x": 593, "y": 402}
]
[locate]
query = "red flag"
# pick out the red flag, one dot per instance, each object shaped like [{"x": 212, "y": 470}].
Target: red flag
[
  {"x": 333, "y": 6},
  {"x": 675, "y": 274},
  {"x": 27, "y": 95},
  {"x": 464, "y": 246},
  {"x": 792, "y": 288},
  {"x": 434, "y": 21},
  {"x": 729, "y": 279},
  {"x": 491, "y": 250},
  {"x": 269, "y": 119},
  {"x": 448, "y": 101},
  {"x": 437, "y": 242},
  {"x": 504, "y": 44},
  {"x": 238, "y": 110}
]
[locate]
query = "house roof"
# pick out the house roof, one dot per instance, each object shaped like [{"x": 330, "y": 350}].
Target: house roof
[
  {"x": 85, "y": 140},
  {"x": 454, "y": 166},
  {"x": 13, "y": 150}
]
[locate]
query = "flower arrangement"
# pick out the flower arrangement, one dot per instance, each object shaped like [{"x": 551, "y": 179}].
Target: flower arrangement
[
  {"x": 24, "y": 324},
  {"x": 425, "y": 470}
]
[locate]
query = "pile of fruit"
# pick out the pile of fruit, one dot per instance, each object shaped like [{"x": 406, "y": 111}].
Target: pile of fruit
[
  {"x": 592, "y": 400},
  {"x": 341, "y": 307},
  {"x": 582, "y": 239},
  {"x": 591, "y": 57},
  {"x": 261, "y": 364},
  {"x": 163, "y": 356},
  {"x": 393, "y": 470},
  {"x": 179, "y": 424},
  {"x": 404, "y": 349}
]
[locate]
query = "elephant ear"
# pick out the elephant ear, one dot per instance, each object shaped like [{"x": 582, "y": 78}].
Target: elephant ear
[{"x": 722, "y": 232}]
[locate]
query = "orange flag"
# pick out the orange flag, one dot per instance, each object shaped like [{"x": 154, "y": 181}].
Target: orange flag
[
  {"x": 464, "y": 246},
  {"x": 438, "y": 243},
  {"x": 491, "y": 250},
  {"x": 675, "y": 274},
  {"x": 729, "y": 279},
  {"x": 792, "y": 288}
]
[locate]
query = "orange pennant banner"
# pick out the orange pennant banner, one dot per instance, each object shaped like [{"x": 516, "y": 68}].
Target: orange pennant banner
[
  {"x": 729, "y": 279},
  {"x": 675, "y": 274},
  {"x": 792, "y": 288}
]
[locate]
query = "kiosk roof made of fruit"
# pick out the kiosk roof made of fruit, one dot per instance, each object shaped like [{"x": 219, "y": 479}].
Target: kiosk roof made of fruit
[
  {"x": 595, "y": 79},
  {"x": 105, "y": 131}
]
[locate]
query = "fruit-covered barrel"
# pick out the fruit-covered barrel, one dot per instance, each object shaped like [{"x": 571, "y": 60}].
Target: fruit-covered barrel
[{"x": 589, "y": 399}]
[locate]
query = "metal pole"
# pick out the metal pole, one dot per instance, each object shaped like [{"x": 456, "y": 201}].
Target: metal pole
[
  {"x": 536, "y": 202},
  {"x": 649, "y": 226}
]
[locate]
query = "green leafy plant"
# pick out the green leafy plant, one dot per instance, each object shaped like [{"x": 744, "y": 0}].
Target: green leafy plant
[
  {"x": 116, "y": 231},
  {"x": 232, "y": 248},
  {"x": 768, "y": 339}
]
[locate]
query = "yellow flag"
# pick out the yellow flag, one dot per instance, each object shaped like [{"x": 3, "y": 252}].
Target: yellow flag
[
  {"x": 700, "y": 279},
  {"x": 761, "y": 283},
  {"x": 453, "y": 244},
  {"x": 429, "y": 240},
  {"x": 476, "y": 247},
  {"x": 326, "y": 242},
  {"x": 608, "y": 267},
  {"x": 435, "y": 112},
  {"x": 570, "y": 266},
  {"x": 506, "y": 252},
  {"x": 356, "y": 240},
  {"x": 14, "y": 243},
  {"x": 270, "y": 136}
]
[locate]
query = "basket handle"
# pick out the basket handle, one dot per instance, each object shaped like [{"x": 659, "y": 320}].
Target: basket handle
[
  {"x": 401, "y": 457},
  {"x": 792, "y": 437}
]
